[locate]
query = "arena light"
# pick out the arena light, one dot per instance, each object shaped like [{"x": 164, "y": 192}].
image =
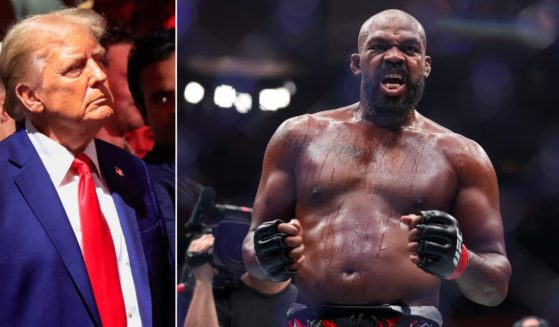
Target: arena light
[
  {"x": 193, "y": 92},
  {"x": 274, "y": 99},
  {"x": 290, "y": 86},
  {"x": 243, "y": 103},
  {"x": 224, "y": 96},
  {"x": 283, "y": 97}
]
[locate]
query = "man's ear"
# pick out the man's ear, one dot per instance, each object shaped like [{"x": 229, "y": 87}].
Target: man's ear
[
  {"x": 427, "y": 69},
  {"x": 29, "y": 98},
  {"x": 354, "y": 64}
]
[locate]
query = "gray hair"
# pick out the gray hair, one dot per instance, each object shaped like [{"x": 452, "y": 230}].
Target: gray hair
[{"x": 20, "y": 49}]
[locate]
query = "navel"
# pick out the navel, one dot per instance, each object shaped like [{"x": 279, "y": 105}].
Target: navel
[
  {"x": 418, "y": 202},
  {"x": 349, "y": 273}
]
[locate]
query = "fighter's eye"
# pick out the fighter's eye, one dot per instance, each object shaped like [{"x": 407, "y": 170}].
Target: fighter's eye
[
  {"x": 378, "y": 47},
  {"x": 411, "y": 49}
]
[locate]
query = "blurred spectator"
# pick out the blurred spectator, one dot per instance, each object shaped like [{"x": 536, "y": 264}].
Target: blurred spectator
[
  {"x": 127, "y": 118},
  {"x": 6, "y": 18},
  {"x": 531, "y": 321},
  {"x": 151, "y": 78},
  {"x": 141, "y": 16},
  {"x": 140, "y": 140}
]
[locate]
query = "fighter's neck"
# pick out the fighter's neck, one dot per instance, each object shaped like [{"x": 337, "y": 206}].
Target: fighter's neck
[{"x": 361, "y": 115}]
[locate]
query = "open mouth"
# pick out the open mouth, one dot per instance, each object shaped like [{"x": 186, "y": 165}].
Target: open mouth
[{"x": 393, "y": 84}]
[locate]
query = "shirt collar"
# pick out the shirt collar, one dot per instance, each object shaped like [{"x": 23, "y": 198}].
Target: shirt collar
[{"x": 55, "y": 157}]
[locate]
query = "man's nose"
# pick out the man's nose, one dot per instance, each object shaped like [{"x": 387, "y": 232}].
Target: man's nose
[
  {"x": 97, "y": 72},
  {"x": 394, "y": 55}
]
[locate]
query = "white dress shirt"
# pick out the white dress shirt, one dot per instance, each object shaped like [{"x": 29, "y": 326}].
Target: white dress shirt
[{"x": 57, "y": 161}]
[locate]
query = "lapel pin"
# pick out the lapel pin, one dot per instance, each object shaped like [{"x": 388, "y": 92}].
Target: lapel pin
[{"x": 119, "y": 171}]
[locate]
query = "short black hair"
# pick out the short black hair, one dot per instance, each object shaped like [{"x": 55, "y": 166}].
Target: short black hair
[
  {"x": 151, "y": 48},
  {"x": 116, "y": 35}
]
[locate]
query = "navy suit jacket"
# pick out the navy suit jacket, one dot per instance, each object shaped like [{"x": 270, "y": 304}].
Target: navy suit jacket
[{"x": 43, "y": 279}]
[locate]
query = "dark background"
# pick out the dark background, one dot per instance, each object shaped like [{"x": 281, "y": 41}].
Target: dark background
[{"x": 495, "y": 65}]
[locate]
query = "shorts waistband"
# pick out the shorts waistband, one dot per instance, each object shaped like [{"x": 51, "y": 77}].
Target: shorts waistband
[{"x": 388, "y": 315}]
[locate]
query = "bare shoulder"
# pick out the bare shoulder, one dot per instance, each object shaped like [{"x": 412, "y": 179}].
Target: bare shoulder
[
  {"x": 317, "y": 120},
  {"x": 463, "y": 153},
  {"x": 307, "y": 125}
]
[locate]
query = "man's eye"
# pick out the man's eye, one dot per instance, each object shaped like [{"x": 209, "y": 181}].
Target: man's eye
[
  {"x": 162, "y": 99},
  {"x": 74, "y": 70},
  {"x": 101, "y": 62},
  {"x": 411, "y": 49}
]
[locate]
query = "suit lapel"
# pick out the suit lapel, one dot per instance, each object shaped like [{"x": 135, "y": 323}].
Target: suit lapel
[
  {"x": 123, "y": 188},
  {"x": 36, "y": 187}
]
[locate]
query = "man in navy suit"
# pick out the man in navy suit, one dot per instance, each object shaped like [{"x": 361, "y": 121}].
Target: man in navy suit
[
  {"x": 151, "y": 79},
  {"x": 52, "y": 65}
]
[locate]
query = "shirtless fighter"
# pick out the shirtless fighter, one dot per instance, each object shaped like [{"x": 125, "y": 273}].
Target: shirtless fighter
[{"x": 385, "y": 202}]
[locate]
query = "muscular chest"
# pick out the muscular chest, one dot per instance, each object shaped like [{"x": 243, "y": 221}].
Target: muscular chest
[{"x": 405, "y": 173}]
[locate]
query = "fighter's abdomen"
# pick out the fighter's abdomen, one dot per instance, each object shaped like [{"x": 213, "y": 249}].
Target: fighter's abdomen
[
  {"x": 361, "y": 260},
  {"x": 352, "y": 187}
]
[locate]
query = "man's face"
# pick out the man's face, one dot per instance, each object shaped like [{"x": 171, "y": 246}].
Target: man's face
[
  {"x": 73, "y": 87},
  {"x": 158, "y": 86},
  {"x": 127, "y": 115},
  {"x": 394, "y": 67}
]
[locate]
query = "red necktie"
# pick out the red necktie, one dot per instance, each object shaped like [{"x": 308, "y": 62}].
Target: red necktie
[{"x": 98, "y": 248}]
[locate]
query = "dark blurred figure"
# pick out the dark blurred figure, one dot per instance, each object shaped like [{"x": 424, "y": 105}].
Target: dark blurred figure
[
  {"x": 531, "y": 321},
  {"x": 141, "y": 16},
  {"x": 125, "y": 128},
  {"x": 151, "y": 78},
  {"x": 7, "y": 17}
]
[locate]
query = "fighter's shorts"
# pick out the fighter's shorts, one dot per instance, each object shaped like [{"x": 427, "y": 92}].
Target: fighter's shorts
[{"x": 397, "y": 315}]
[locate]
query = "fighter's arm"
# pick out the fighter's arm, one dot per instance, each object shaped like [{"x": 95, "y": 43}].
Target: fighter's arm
[
  {"x": 478, "y": 264},
  {"x": 486, "y": 279},
  {"x": 275, "y": 199}
]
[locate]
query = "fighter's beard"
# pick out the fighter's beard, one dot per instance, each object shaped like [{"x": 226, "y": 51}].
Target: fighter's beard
[{"x": 387, "y": 111}]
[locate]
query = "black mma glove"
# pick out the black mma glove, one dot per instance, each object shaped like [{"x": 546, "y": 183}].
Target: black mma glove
[
  {"x": 441, "y": 250},
  {"x": 271, "y": 251}
]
